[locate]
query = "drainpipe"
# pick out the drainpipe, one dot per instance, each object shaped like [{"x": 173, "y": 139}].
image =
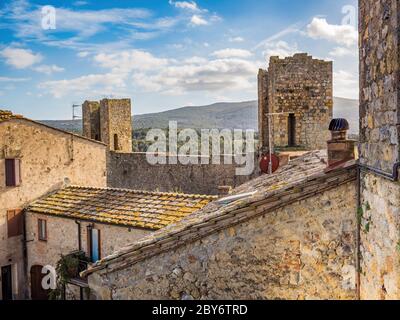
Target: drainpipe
[
  {"x": 80, "y": 249},
  {"x": 358, "y": 236},
  {"x": 79, "y": 235},
  {"x": 25, "y": 254}
]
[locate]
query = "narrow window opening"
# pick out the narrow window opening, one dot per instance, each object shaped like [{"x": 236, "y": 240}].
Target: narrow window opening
[
  {"x": 13, "y": 172},
  {"x": 292, "y": 130},
  {"x": 116, "y": 145},
  {"x": 42, "y": 229}
]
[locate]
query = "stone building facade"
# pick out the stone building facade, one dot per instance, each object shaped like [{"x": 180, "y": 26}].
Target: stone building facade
[
  {"x": 109, "y": 219},
  {"x": 42, "y": 160},
  {"x": 298, "y": 92},
  {"x": 379, "y": 149},
  {"x": 109, "y": 121},
  {"x": 133, "y": 171},
  {"x": 291, "y": 235}
]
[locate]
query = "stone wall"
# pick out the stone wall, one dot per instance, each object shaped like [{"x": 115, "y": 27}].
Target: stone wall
[
  {"x": 49, "y": 252},
  {"x": 263, "y": 109},
  {"x": 379, "y": 82},
  {"x": 305, "y": 250},
  {"x": 91, "y": 120},
  {"x": 109, "y": 121},
  {"x": 116, "y": 121},
  {"x": 49, "y": 160},
  {"x": 302, "y": 86},
  {"x": 379, "y": 148},
  {"x": 380, "y": 238},
  {"x": 132, "y": 171}
]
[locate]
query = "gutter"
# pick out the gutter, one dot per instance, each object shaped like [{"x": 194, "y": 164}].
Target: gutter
[{"x": 394, "y": 176}]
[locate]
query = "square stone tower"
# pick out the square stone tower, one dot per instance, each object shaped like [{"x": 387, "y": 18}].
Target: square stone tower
[
  {"x": 298, "y": 90},
  {"x": 91, "y": 120},
  {"x": 109, "y": 121}
]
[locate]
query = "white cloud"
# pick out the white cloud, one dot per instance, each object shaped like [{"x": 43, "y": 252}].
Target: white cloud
[
  {"x": 230, "y": 53},
  {"x": 20, "y": 58},
  {"x": 7, "y": 79},
  {"x": 339, "y": 52},
  {"x": 145, "y": 72},
  {"x": 346, "y": 35},
  {"x": 345, "y": 84},
  {"x": 219, "y": 75},
  {"x": 48, "y": 69},
  {"x": 197, "y": 20},
  {"x": 130, "y": 60},
  {"x": 101, "y": 84},
  {"x": 80, "y": 3},
  {"x": 236, "y": 39},
  {"x": 83, "y": 54},
  {"x": 279, "y": 48},
  {"x": 192, "y": 6}
]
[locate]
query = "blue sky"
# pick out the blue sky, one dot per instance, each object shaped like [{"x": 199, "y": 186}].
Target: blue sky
[{"x": 163, "y": 54}]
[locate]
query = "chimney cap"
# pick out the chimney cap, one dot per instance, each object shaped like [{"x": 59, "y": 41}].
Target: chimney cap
[{"x": 339, "y": 125}]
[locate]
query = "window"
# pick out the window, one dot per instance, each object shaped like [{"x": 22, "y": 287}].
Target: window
[
  {"x": 292, "y": 130},
  {"x": 94, "y": 244},
  {"x": 13, "y": 172},
  {"x": 116, "y": 145},
  {"x": 42, "y": 229},
  {"x": 15, "y": 223}
]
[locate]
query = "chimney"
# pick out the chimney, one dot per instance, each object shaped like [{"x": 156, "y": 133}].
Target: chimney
[{"x": 340, "y": 149}]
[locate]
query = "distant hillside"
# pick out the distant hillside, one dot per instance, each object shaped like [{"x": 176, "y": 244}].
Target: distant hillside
[{"x": 238, "y": 115}]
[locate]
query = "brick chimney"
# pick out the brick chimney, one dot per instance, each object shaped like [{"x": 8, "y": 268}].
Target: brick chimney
[{"x": 340, "y": 149}]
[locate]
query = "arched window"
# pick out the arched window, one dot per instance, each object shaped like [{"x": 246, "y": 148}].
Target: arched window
[{"x": 116, "y": 145}]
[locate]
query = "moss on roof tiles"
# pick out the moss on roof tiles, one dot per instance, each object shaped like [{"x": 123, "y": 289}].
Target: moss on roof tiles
[{"x": 142, "y": 209}]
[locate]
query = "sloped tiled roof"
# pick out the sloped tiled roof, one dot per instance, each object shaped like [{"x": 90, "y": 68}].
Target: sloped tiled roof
[
  {"x": 8, "y": 115},
  {"x": 140, "y": 209},
  {"x": 300, "y": 179}
]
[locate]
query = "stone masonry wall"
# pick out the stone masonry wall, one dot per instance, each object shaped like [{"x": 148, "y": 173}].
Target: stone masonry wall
[
  {"x": 303, "y": 86},
  {"x": 379, "y": 29},
  {"x": 263, "y": 131},
  {"x": 380, "y": 85},
  {"x": 49, "y": 160},
  {"x": 49, "y": 252},
  {"x": 116, "y": 120},
  {"x": 380, "y": 238},
  {"x": 91, "y": 120},
  {"x": 305, "y": 250},
  {"x": 132, "y": 171}
]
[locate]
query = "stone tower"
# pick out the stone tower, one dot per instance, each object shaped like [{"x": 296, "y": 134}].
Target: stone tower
[
  {"x": 91, "y": 120},
  {"x": 109, "y": 121},
  {"x": 299, "y": 91},
  {"x": 379, "y": 149}
]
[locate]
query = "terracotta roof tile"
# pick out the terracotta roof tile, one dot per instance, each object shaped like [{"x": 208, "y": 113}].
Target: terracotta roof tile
[
  {"x": 149, "y": 210},
  {"x": 8, "y": 115}
]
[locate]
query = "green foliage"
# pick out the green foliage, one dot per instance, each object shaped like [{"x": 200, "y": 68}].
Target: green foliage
[
  {"x": 68, "y": 267},
  {"x": 360, "y": 215}
]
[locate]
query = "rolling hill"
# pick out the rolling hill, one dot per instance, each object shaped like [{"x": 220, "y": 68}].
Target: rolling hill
[{"x": 237, "y": 115}]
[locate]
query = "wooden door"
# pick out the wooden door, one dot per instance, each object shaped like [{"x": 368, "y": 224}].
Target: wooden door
[
  {"x": 6, "y": 283},
  {"x": 37, "y": 291}
]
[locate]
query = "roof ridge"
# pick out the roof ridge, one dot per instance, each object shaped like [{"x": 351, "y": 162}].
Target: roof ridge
[
  {"x": 223, "y": 217},
  {"x": 175, "y": 194}
]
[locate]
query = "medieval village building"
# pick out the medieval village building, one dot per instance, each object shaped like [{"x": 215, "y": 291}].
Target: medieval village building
[
  {"x": 324, "y": 226},
  {"x": 34, "y": 160}
]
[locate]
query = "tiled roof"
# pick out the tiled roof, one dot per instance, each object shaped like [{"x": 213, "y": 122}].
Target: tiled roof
[
  {"x": 300, "y": 179},
  {"x": 7, "y": 115},
  {"x": 140, "y": 209}
]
